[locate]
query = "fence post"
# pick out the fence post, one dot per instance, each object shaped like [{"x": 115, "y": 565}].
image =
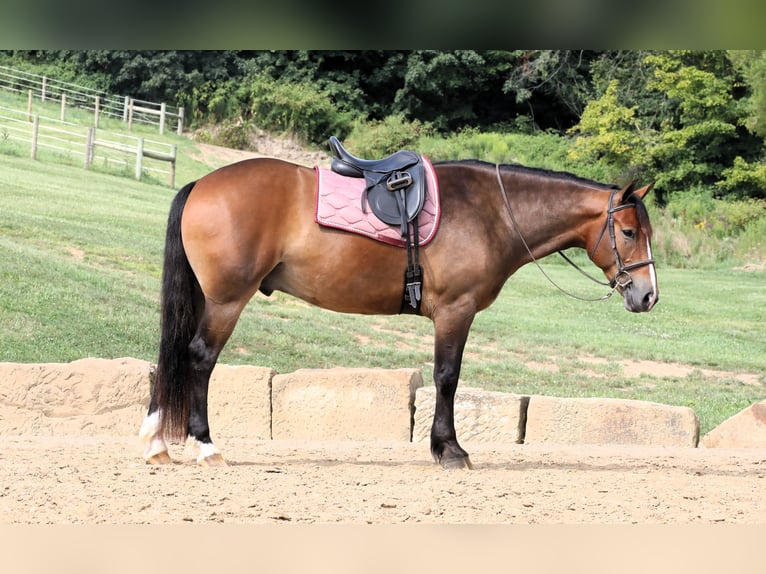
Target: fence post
[
  {"x": 63, "y": 106},
  {"x": 42, "y": 88},
  {"x": 29, "y": 106},
  {"x": 125, "y": 109},
  {"x": 162, "y": 118},
  {"x": 180, "y": 128},
  {"x": 35, "y": 131},
  {"x": 139, "y": 158},
  {"x": 174, "y": 152},
  {"x": 89, "y": 147},
  {"x": 97, "y": 106},
  {"x": 130, "y": 114}
]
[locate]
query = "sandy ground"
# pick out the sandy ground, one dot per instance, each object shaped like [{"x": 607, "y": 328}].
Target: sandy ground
[{"x": 103, "y": 480}]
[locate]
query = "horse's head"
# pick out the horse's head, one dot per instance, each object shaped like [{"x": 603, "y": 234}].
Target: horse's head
[{"x": 621, "y": 247}]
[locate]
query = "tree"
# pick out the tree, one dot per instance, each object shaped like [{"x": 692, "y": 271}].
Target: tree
[
  {"x": 555, "y": 85},
  {"x": 689, "y": 135},
  {"x": 453, "y": 89},
  {"x": 752, "y": 65},
  {"x": 609, "y": 131}
]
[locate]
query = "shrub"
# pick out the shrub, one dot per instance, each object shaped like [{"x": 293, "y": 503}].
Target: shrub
[
  {"x": 380, "y": 138},
  {"x": 296, "y": 108},
  {"x": 697, "y": 230},
  {"x": 720, "y": 218},
  {"x": 751, "y": 247},
  {"x": 744, "y": 179},
  {"x": 299, "y": 109},
  {"x": 544, "y": 150}
]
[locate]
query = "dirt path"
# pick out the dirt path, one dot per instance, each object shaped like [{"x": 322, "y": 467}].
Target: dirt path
[
  {"x": 265, "y": 146},
  {"x": 104, "y": 480}
]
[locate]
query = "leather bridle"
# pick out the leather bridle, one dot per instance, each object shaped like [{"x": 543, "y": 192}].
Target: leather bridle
[
  {"x": 621, "y": 279},
  {"x": 622, "y": 269}
]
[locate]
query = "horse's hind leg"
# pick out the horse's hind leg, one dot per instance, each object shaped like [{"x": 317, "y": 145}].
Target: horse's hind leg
[
  {"x": 215, "y": 327},
  {"x": 156, "y": 449}
]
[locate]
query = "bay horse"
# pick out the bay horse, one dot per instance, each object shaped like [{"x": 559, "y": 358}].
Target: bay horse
[{"x": 250, "y": 226}]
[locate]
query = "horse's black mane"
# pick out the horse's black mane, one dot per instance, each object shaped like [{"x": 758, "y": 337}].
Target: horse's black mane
[{"x": 517, "y": 167}]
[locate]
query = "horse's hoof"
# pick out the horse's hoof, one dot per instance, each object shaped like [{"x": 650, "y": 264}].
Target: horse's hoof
[
  {"x": 456, "y": 463},
  {"x": 159, "y": 458},
  {"x": 214, "y": 459}
]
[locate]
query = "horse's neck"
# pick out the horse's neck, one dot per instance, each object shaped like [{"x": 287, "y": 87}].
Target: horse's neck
[{"x": 556, "y": 217}]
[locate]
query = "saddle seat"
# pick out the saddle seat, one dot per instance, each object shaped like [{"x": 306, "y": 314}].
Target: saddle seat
[{"x": 343, "y": 163}]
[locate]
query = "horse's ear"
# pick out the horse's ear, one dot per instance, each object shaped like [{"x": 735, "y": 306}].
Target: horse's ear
[
  {"x": 631, "y": 189},
  {"x": 627, "y": 191},
  {"x": 644, "y": 190}
]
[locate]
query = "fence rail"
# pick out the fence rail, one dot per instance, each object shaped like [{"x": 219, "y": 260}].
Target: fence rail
[
  {"x": 88, "y": 143},
  {"x": 122, "y": 108}
]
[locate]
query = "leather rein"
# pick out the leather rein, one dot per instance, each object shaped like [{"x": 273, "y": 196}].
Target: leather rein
[{"x": 620, "y": 280}]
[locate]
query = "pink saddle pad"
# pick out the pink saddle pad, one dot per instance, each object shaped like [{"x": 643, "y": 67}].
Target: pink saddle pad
[{"x": 339, "y": 205}]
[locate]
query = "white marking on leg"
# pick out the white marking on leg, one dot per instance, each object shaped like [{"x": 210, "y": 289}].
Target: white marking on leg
[
  {"x": 149, "y": 435},
  {"x": 206, "y": 449}
]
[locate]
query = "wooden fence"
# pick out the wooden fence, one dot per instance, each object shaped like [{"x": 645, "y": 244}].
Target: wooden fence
[
  {"x": 69, "y": 141},
  {"x": 124, "y": 108}
]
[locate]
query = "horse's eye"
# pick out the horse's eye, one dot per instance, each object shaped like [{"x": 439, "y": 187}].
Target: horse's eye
[{"x": 628, "y": 233}]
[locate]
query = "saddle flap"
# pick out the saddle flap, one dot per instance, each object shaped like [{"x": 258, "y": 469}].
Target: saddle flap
[{"x": 388, "y": 205}]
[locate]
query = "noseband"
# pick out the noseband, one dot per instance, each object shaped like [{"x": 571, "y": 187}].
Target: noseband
[{"x": 620, "y": 280}]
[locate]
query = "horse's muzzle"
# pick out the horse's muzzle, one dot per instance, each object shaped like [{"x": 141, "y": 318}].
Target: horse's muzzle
[{"x": 640, "y": 296}]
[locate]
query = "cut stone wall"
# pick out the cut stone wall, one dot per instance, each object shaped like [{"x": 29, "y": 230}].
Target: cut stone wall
[
  {"x": 609, "y": 421},
  {"x": 85, "y": 397},
  {"x": 239, "y": 401},
  {"x": 746, "y": 429},
  {"x": 481, "y": 416},
  {"x": 344, "y": 404},
  {"x": 110, "y": 397}
]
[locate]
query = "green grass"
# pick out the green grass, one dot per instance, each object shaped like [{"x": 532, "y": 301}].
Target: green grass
[{"x": 80, "y": 270}]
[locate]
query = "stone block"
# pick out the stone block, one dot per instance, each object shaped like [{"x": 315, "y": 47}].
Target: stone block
[
  {"x": 85, "y": 397},
  {"x": 344, "y": 404},
  {"x": 746, "y": 429},
  {"x": 480, "y": 416},
  {"x": 239, "y": 401},
  {"x": 603, "y": 421}
]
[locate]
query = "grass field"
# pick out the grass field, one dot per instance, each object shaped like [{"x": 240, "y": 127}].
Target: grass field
[{"x": 80, "y": 269}]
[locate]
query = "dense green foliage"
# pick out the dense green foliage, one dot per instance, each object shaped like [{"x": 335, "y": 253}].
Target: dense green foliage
[
  {"x": 691, "y": 136},
  {"x": 693, "y": 121},
  {"x": 684, "y": 118}
]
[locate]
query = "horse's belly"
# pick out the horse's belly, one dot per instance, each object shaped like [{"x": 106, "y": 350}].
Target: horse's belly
[{"x": 358, "y": 278}]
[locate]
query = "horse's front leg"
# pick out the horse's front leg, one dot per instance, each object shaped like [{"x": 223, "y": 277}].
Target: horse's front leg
[{"x": 450, "y": 334}]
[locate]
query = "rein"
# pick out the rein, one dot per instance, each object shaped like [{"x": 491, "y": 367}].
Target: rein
[{"x": 621, "y": 279}]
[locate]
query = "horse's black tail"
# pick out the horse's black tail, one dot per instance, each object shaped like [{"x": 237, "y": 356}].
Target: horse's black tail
[{"x": 178, "y": 324}]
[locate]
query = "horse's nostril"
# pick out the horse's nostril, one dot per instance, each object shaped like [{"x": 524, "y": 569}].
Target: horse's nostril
[{"x": 648, "y": 300}]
